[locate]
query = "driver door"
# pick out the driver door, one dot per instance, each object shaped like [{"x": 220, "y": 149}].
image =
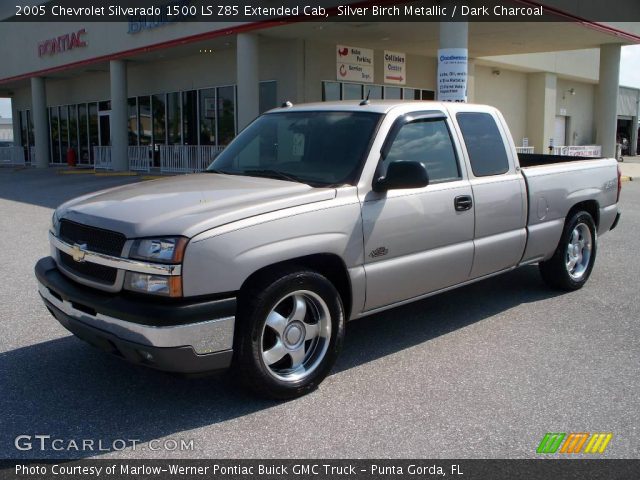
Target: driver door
[{"x": 418, "y": 240}]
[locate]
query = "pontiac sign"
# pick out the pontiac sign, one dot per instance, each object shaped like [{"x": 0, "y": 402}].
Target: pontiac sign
[{"x": 62, "y": 43}]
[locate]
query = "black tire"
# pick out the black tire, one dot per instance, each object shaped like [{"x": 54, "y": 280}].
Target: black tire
[
  {"x": 556, "y": 271},
  {"x": 278, "y": 289}
]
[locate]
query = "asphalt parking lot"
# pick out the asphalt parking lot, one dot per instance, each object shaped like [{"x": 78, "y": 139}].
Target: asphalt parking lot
[{"x": 481, "y": 372}]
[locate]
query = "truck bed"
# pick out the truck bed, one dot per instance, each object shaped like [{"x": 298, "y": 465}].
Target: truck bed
[
  {"x": 536, "y": 159},
  {"x": 554, "y": 187}
]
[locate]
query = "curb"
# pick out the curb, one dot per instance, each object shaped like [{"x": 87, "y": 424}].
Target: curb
[
  {"x": 626, "y": 178},
  {"x": 75, "y": 172},
  {"x": 141, "y": 175},
  {"x": 116, "y": 174},
  {"x": 97, "y": 174},
  {"x": 154, "y": 177}
]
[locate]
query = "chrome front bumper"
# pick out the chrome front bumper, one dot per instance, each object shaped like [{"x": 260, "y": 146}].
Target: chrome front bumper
[{"x": 201, "y": 333}]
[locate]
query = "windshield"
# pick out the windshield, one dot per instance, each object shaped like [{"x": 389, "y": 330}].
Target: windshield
[{"x": 319, "y": 148}]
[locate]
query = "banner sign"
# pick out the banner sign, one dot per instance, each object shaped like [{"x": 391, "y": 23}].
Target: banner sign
[
  {"x": 354, "y": 64},
  {"x": 452, "y": 74}
]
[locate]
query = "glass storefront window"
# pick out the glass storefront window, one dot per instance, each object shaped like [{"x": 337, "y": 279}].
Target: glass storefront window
[
  {"x": 190, "y": 117},
  {"x": 73, "y": 128},
  {"x": 132, "y": 120},
  {"x": 226, "y": 114},
  {"x": 374, "y": 92},
  {"x": 24, "y": 132},
  {"x": 94, "y": 137},
  {"x": 410, "y": 94},
  {"x": 393, "y": 93},
  {"x": 330, "y": 91},
  {"x": 208, "y": 116},
  {"x": 358, "y": 91},
  {"x": 428, "y": 95},
  {"x": 174, "y": 124},
  {"x": 351, "y": 91},
  {"x": 30, "y": 126},
  {"x": 104, "y": 121},
  {"x": 83, "y": 132},
  {"x": 194, "y": 117},
  {"x": 64, "y": 132},
  {"x": 268, "y": 96},
  {"x": 54, "y": 127},
  {"x": 144, "y": 120},
  {"x": 159, "y": 119}
]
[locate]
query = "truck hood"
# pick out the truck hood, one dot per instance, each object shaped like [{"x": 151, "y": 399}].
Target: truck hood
[{"x": 187, "y": 205}]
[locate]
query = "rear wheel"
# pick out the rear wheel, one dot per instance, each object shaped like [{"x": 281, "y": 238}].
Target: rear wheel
[
  {"x": 290, "y": 331},
  {"x": 572, "y": 262}
]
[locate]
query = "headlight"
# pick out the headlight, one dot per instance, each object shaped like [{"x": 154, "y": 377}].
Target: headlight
[
  {"x": 170, "y": 286},
  {"x": 163, "y": 250},
  {"x": 55, "y": 221}
]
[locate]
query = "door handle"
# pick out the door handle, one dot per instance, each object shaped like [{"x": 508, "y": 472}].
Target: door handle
[{"x": 462, "y": 203}]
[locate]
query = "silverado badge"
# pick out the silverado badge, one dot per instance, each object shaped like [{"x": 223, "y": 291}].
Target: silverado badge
[{"x": 379, "y": 252}]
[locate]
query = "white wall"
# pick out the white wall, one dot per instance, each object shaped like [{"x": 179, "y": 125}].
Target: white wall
[
  {"x": 579, "y": 108},
  {"x": 508, "y": 93}
]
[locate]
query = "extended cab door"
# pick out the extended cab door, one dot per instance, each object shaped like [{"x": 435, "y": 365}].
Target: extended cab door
[
  {"x": 499, "y": 192},
  {"x": 418, "y": 240}
]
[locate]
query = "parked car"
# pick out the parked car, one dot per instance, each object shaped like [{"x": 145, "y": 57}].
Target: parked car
[{"x": 315, "y": 215}]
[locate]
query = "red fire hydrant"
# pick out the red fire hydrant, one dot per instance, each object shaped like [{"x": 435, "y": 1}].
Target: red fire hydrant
[{"x": 71, "y": 157}]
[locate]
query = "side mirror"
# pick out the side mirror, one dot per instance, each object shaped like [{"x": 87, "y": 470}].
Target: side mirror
[{"x": 402, "y": 174}]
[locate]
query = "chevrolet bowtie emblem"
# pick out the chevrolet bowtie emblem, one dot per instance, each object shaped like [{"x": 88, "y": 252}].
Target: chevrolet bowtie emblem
[{"x": 78, "y": 252}]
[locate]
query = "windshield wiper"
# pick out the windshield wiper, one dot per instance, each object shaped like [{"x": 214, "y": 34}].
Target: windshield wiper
[{"x": 275, "y": 174}]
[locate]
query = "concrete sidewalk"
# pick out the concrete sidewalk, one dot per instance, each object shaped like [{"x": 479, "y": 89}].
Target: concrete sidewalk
[{"x": 630, "y": 169}]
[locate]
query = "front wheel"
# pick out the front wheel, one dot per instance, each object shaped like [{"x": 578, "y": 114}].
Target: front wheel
[
  {"x": 290, "y": 331},
  {"x": 572, "y": 262}
]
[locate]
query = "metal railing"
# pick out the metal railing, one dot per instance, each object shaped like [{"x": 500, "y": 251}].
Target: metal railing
[
  {"x": 14, "y": 156},
  {"x": 187, "y": 158},
  {"x": 578, "y": 150},
  {"x": 139, "y": 158},
  {"x": 525, "y": 149},
  {"x": 102, "y": 158}
]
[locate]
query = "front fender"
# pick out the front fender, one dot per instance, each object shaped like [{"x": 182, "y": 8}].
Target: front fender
[{"x": 221, "y": 261}]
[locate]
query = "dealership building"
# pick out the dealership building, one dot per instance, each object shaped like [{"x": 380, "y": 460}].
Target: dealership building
[{"x": 142, "y": 94}]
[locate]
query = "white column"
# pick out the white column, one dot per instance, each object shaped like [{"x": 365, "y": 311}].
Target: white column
[
  {"x": 452, "y": 35},
  {"x": 15, "y": 115},
  {"x": 40, "y": 121},
  {"x": 607, "y": 101},
  {"x": 634, "y": 136},
  {"x": 471, "y": 81},
  {"x": 247, "y": 78},
  {"x": 118, "y": 121},
  {"x": 541, "y": 110}
]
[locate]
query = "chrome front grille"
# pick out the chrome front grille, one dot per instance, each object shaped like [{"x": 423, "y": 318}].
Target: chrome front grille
[
  {"x": 95, "y": 239},
  {"x": 90, "y": 239},
  {"x": 88, "y": 270}
]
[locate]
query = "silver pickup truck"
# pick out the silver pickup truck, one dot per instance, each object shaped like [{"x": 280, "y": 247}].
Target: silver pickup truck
[{"x": 315, "y": 215}]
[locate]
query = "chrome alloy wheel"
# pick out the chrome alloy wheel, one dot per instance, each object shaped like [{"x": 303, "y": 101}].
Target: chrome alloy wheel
[
  {"x": 296, "y": 335},
  {"x": 579, "y": 251}
]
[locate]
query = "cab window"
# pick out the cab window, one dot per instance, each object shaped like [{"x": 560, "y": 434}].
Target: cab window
[
  {"x": 485, "y": 146},
  {"x": 429, "y": 142}
]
